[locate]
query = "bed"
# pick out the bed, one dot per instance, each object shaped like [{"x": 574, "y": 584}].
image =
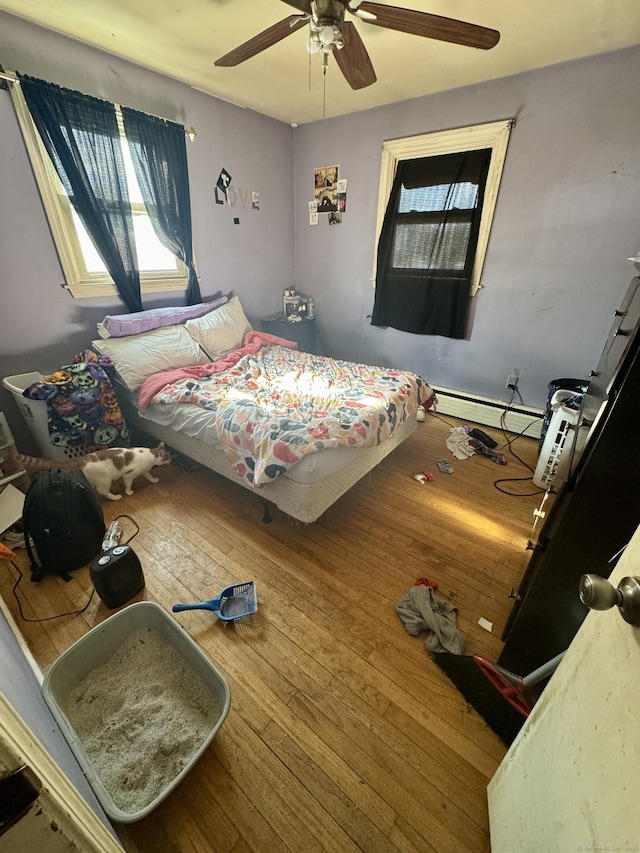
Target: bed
[{"x": 297, "y": 430}]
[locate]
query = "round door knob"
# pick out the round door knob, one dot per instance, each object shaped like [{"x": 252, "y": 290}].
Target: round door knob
[{"x": 597, "y": 593}]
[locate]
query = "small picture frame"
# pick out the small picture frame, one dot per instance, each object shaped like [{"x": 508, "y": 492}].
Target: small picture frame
[{"x": 325, "y": 182}]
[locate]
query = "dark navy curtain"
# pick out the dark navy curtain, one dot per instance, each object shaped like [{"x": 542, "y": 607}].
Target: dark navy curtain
[
  {"x": 427, "y": 244},
  {"x": 159, "y": 155},
  {"x": 81, "y": 136}
]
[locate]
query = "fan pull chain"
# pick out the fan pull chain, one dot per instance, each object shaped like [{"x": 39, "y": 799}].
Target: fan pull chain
[
  {"x": 324, "y": 94},
  {"x": 325, "y": 63}
]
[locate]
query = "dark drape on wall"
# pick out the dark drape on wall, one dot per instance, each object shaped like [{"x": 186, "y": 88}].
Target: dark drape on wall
[
  {"x": 433, "y": 299},
  {"x": 81, "y": 136},
  {"x": 159, "y": 155}
]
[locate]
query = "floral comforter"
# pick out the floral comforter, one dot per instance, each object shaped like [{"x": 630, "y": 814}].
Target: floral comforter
[{"x": 277, "y": 405}]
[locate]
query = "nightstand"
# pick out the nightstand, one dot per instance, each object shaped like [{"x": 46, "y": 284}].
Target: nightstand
[{"x": 304, "y": 332}]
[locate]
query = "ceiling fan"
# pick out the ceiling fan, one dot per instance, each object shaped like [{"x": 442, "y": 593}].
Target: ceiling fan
[{"x": 330, "y": 33}]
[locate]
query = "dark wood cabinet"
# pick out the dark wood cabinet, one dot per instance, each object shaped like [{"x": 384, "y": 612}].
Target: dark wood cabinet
[{"x": 596, "y": 511}]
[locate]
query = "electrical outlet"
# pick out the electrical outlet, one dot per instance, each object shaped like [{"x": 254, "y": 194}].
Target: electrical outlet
[{"x": 512, "y": 381}]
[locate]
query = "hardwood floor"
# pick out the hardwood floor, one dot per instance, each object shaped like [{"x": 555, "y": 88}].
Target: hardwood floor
[{"x": 342, "y": 735}]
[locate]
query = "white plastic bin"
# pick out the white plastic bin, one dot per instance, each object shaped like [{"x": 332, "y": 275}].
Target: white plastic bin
[
  {"x": 34, "y": 413},
  {"x": 95, "y": 649}
]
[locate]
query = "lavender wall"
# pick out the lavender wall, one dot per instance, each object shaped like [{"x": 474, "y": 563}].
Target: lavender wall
[
  {"x": 41, "y": 325},
  {"x": 566, "y": 220}
]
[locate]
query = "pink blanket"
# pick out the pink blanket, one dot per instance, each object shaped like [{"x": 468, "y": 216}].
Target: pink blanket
[{"x": 252, "y": 343}]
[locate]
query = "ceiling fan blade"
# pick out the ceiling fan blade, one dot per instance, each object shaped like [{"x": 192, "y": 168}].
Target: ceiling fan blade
[
  {"x": 353, "y": 59},
  {"x": 262, "y": 41},
  {"x": 302, "y": 5},
  {"x": 430, "y": 26}
]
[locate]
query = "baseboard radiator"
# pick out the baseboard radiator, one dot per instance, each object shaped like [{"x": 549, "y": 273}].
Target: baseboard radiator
[{"x": 487, "y": 411}]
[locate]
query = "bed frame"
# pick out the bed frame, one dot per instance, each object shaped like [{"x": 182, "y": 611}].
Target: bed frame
[{"x": 305, "y": 502}]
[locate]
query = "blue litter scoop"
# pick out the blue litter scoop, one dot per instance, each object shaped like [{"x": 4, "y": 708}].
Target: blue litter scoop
[{"x": 234, "y": 602}]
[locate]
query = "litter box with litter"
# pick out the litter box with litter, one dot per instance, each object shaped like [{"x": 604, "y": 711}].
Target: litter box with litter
[{"x": 94, "y": 651}]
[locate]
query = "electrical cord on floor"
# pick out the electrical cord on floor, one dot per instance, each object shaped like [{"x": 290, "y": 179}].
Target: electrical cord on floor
[
  {"x": 45, "y": 618},
  {"x": 508, "y": 442}
]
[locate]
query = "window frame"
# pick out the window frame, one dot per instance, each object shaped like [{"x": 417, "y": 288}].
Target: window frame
[
  {"x": 79, "y": 282},
  {"x": 493, "y": 135}
]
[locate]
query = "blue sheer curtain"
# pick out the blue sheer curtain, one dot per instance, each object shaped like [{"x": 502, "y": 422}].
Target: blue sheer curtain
[
  {"x": 159, "y": 155},
  {"x": 81, "y": 136}
]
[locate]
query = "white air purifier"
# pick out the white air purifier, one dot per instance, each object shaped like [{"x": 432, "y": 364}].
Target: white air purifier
[{"x": 560, "y": 447}]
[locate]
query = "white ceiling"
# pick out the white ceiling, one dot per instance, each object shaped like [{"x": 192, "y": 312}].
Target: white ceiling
[{"x": 182, "y": 38}]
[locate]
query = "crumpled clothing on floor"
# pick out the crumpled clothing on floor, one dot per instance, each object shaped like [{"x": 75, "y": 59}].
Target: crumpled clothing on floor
[
  {"x": 481, "y": 447},
  {"x": 421, "y": 610},
  {"x": 458, "y": 443},
  {"x": 462, "y": 445}
]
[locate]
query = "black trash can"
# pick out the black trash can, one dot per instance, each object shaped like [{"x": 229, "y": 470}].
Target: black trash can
[{"x": 578, "y": 386}]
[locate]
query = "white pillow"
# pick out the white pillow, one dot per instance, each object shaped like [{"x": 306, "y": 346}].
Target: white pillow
[
  {"x": 221, "y": 331},
  {"x": 138, "y": 356}
]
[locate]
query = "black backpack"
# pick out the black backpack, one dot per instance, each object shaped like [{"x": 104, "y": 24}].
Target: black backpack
[{"x": 63, "y": 515}]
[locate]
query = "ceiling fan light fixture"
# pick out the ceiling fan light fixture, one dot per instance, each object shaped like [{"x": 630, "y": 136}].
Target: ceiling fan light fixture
[
  {"x": 323, "y": 38},
  {"x": 327, "y": 35}
]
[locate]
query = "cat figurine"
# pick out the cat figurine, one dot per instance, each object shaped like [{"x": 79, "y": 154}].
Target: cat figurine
[{"x": 103, "y": 467}]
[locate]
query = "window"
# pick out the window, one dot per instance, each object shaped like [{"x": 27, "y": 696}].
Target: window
[
  {"x": 434, "y": 216},
  {"x": 84, "y": 271},
  {"x": 420, "y": 207}
]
